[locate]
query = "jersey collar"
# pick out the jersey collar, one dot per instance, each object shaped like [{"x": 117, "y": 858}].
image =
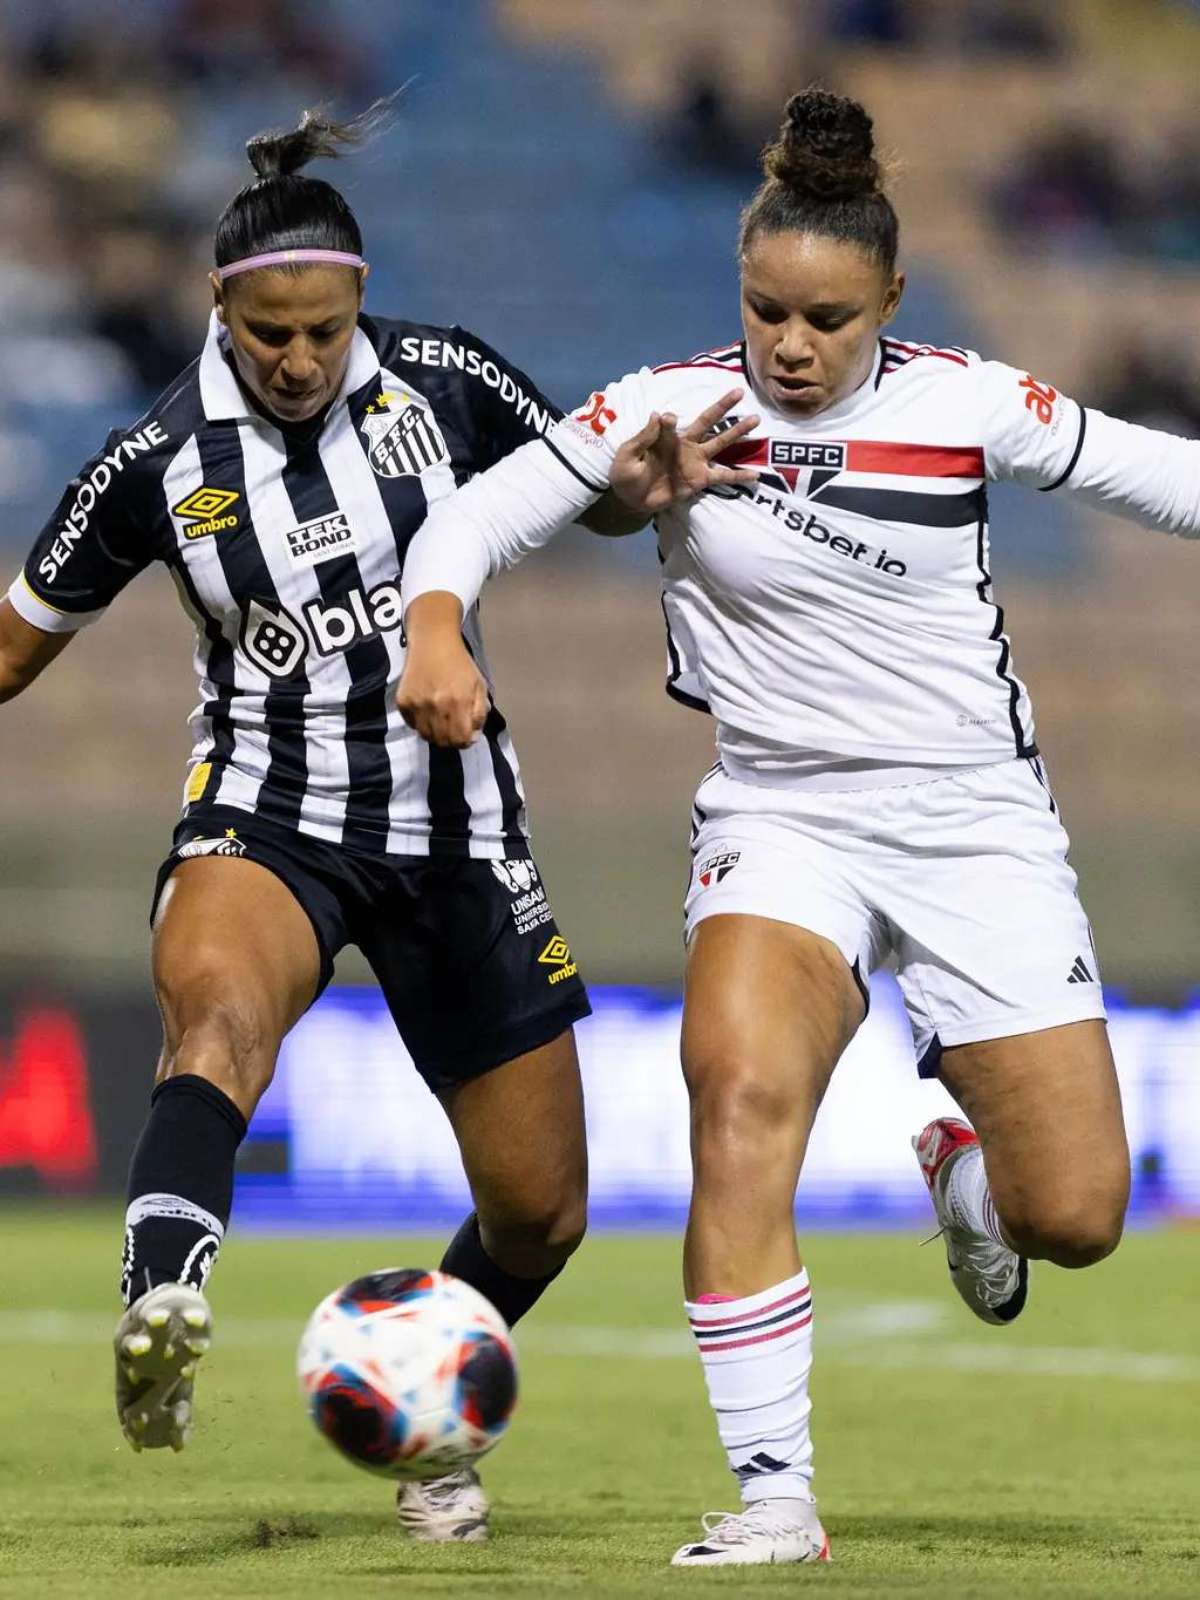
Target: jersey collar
[{"x": 223, "y": 397}]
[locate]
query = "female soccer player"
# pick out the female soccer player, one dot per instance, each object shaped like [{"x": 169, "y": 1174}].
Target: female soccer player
[
  {"x": 281, "y": 479},
  {"x": 878, "y": 790}
]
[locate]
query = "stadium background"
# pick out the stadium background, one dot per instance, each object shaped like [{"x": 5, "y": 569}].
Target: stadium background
[{"x": 565, "y": 179}]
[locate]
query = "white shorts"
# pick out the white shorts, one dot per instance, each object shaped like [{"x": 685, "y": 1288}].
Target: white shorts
[{"x": 961, "y": 883}]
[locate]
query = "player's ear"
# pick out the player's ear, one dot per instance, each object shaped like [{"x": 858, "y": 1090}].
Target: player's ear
[
  {"x": 364, "y": 273},
  {"x": 218, "y": 292},
  {"x": 892, "y": 296}
]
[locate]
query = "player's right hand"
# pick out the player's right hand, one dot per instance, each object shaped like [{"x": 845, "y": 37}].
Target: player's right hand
[{"x": 441, "y": 694}]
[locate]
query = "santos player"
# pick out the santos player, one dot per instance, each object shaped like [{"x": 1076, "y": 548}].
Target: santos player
[
  {"x": 878, "y": 793},
  {"x": 280, "y": 479}
]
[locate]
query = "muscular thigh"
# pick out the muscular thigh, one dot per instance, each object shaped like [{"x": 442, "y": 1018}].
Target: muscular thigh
[
  {"x": 1047, "y": 1108},
  {"x": 768, "y": 1009},
  {"x": 236, "y": 963}
]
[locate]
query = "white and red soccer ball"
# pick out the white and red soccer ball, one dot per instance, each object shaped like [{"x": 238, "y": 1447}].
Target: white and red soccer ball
[{"x": 408, "y": 1373}]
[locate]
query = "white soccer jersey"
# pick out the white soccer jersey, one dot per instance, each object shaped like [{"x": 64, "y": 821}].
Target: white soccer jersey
[{"x": 841, "y": 610}]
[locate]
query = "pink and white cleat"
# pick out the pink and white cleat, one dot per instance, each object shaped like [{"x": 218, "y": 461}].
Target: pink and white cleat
[
  {"x": 991, "y": 1278},
  {"x": 764, "y": 1533}
]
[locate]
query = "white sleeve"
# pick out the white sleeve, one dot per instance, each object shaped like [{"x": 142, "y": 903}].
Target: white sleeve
[
  {"x": 519, "y": 504},
  {"x": 1035, "y": 435}
]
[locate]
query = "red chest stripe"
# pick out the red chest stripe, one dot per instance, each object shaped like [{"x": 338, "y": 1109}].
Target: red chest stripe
[
  {"x": 916, "y": 460},
  {"x": 870, "y": 455}
]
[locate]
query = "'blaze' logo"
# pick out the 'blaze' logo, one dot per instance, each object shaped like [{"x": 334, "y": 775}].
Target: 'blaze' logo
[
  {"x": 596, "y": 415},
  {"x": 1039, "y": 398}
]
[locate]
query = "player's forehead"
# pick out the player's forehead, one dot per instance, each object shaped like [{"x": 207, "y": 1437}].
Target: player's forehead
[
  {"x": 299, "y": 300},
  {"x": 803, "y": 270}
]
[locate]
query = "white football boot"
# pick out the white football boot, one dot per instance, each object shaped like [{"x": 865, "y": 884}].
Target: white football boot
[
  {"x": 157, "y": 1344},
  {"x": 448, "y": 1510},
  {"x": 991, "y": 1278},
  {"x": 765, "y": 1533}
]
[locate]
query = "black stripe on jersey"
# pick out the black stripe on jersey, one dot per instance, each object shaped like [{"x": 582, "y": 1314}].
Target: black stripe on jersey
[
  {"x": 248, "y": 577},
  {"x": 675, "y": 670},
  {"x": 369, "y": 789},
  {"x": 510, "y": 795},
  {"x": 1058, "y": 482},
  {"x": 1039, "y": 772},
  {"x": 900, "y": 505},
  {"x": 512, "y": 801},
  {"x": 983, "y": 589},
  {"x": 218, "y": 669},
  {"x": 598, "y": 488},
  {"x": 446, "y": 789}
]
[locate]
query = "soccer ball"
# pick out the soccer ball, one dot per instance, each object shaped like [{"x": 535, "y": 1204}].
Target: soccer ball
[{"x": 408, "y": 1373}]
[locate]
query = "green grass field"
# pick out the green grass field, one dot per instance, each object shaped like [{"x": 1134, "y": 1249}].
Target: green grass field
[{"x": 1058, "y": 1457}]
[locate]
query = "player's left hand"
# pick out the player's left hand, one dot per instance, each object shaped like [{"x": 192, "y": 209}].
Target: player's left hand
[{"x": 666, "y": 465}]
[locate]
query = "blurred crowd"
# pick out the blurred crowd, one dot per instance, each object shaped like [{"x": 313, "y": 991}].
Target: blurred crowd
[
  {"x": 1081, "y": 189},
  {"x": 108, "y": 190}
]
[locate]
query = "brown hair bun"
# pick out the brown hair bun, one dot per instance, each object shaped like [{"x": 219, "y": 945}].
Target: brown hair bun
[{"x": 825, "y": 149}]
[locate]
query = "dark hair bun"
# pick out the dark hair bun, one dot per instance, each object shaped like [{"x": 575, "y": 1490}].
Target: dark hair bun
[
  {"x": 825, "y": 149},
  {"x": 279, "y": 155}
]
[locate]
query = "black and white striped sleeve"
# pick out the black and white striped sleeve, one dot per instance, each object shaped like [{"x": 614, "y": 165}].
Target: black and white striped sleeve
[{"x": 97, "y": 539}]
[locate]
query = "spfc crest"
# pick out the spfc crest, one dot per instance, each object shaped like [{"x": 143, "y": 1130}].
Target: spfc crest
[{"x": 404, "y": 443}]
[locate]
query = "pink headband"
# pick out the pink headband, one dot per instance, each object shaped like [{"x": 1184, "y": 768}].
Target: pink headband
[{"x": 285, "y": 258}]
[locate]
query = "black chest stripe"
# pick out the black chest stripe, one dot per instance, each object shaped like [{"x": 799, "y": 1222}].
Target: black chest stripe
[
  {"x": 248, "y": 577},
  {"x": 367, "y": 661}
]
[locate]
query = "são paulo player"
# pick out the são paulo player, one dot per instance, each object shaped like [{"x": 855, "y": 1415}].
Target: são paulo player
[{"x": 878, "y": 793}]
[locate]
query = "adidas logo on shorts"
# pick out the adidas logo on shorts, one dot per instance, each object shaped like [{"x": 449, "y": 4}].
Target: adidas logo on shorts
[{"x": 1079, "y": 972}]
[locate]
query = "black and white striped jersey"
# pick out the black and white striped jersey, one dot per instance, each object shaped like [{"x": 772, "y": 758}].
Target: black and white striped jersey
[{"x": 286, "y": 546}]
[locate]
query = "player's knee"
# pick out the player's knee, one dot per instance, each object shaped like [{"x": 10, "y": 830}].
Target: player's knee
[
  {"x": 538, "y": 1230},
  {"x": 737, "y": 1109},
  {"x": 1071, "y": 1233},
  {"x": 227, "y": 1042}
]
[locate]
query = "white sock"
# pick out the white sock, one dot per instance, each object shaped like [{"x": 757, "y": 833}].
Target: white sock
[
  {"x": 757, "y": 1353},
  {"x": 970, "y": 1199}
]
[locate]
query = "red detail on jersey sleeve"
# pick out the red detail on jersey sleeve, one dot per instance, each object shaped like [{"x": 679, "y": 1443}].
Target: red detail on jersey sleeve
[
  {"x": 596, "y": 415},
  {"x": 915, "y": 460},
  {"x": 1039, "y": 398}
]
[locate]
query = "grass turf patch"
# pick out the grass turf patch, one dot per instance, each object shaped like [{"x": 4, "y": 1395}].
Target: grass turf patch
[{"x": 1056, "y": 1457}]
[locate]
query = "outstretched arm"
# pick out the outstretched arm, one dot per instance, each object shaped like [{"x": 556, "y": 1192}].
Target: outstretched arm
[{"x": 25, "y": 651}]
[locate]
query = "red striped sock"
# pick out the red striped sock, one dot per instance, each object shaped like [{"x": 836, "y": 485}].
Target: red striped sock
[{"x": 757, "y": 1352}]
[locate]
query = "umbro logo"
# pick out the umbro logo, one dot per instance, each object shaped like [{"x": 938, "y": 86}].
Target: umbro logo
[{"x": 1079, "y": 972}]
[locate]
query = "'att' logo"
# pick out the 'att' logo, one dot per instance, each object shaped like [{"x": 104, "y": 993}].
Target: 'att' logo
[
  {"x": 596, "y": 415},
  {"x": 202, "y": 511},
  {"x": 1039, "y": 398},
  {"x": 558, "y": 954}
]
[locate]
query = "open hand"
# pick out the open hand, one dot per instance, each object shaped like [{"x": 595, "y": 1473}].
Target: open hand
[{"x": 665, "y": 465}]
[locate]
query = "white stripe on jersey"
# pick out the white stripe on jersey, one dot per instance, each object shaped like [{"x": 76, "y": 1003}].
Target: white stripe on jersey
[
  {"x": 242, "y": 777},
  {"x": 273, "y": 515},
  {"x": 342, "y": 458}
]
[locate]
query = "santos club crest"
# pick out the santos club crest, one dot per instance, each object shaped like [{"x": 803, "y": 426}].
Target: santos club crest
[{"x": 402, "y": 443}]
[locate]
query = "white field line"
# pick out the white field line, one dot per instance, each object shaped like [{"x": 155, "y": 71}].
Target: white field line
[{"x": 863, "y": 1337}]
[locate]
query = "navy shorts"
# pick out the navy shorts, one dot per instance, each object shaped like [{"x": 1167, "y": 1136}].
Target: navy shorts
[{"x": 467, "y": 953}]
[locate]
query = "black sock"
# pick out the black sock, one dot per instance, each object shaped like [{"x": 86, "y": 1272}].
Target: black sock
[
  {"x": 466, "y": 1258},
  {"x": 180, "y": 1185}
]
